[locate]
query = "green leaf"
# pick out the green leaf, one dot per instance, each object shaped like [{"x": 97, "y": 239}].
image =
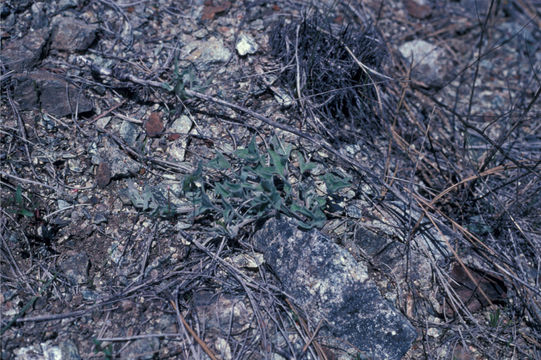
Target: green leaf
[
  {"x": 222, "y": 191},
  {"x": 268, "y": 185},
  {"x": 250, "y": 154},
  {"x": 279, "y": 164},
  {"x": 25, "y": 212},
  {"x": 301, "y": 210},
  {"x": 264, "y": 172},
  {"x": 276, "y": 200},
  {"x": 189, "y": 181},
  {"x": 335, "y": 183},
  {"x": 282, "y": 148},
  {"x": 303, "y": 165},
  {"x": 206, "y": 204},
  {"x": 314, "y": 201},
  {"x": 19, "y": 196},
  {"x": 236, "y": 190},
  {"x": 219, "y": 162},
  {"x": 227, "y": 212},
  {"x": 287, "y": 189}
]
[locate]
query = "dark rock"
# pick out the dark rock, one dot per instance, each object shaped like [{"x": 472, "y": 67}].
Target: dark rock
[
  {"x": 39, "y": 15},
  {"x": 120, "y": 163},
  {"x": 50, "y": 92},
  {"x": 329, "y": 284},
  {"x": 142, "y": 349},
  {"x": 24, "y": 53},
  {"x": 70, "y": 34},
  {"x": 476, "y": 9},
  {"x": 100, "y": 218},
  {"x": 129, "y": 132},
  {"x": 103, "y": 174},
  {"x": 75, "y": 267},
  {"x": 69, "y": 350},
  {"x": 5, "y": 10}
]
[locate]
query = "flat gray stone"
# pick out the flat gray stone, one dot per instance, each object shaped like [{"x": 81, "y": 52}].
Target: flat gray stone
[
  {"x": 48, "y": 91},
  {"x": 120, "y": 164},
  {"x": 70, "y": 34},
  {"x": 143, "y": 349},
  {"x": 24, "y": 53},
  {"x": 206, "y": 52},
  {"x": 182, "y": 125},
  {"x": 246, "y": 45},
  {"x": 75, "y": 266},
  {"x": 329, "y": 284},
  {"x": 429, "y": 63},
  {"x": 129, "y": 132}
]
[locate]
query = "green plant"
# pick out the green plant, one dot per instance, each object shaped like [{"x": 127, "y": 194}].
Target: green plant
[
  {"x": 494, "y": 318},
  {"x": 151, "y": 200},
  {"x": 17, "y": 204},
  {"x": 184, "y": 79},
  {"x": 258, "y": 186},
  {"x": 106, "y": 350}
]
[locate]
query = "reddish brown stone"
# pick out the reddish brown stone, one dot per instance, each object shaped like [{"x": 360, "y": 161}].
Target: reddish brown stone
[
  {"x": 173, "y": 137},
  {"x": 210, "y": 10},
  {"x": 476, "y": 295},
  {"x": 417, "y": 10},
  {"x": 103, "y": 174},
  {"x": 154, "y": 125}
]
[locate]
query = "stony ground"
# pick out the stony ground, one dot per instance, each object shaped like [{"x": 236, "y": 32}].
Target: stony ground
[{"x": 145, "y": 144}]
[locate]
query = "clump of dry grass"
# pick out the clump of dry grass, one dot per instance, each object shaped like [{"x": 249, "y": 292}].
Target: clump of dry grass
[{"x": 332, "y": 70}]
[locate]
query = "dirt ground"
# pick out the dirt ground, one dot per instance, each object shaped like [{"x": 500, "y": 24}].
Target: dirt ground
[{"x": 144, "y": 143}]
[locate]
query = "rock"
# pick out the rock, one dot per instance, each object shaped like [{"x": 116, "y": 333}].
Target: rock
[
  {"x": 142, "y": 349},
  {"x": 48, "y": 350},
  {"x": 327, "y": 282},
  {"x": 419, "y": 9},
  {"x": 129, "y": 132},
  {"x": 100, "y": 218},
  {"x": 62, "y": 204},
  {"x": 120, "y": 164},
  {"x": 70, "y": 34},
  {"x": 213, "y": 8},
  {"x": 223, "y": 348},
  {"x": 182, "y": 125},
  {"x": 216, "y": 310},
  {"x": 282, "y": 97},
  {"x": 67, "y": 4},
  {"x": 75, "y": 266},
  {"x": 246, "y": 45},
  {"x": 429, "y": 63},
  {"x": 206, "y": 52},
  {"x": 154, "y": 124},
  {"x": 177, "y": 147},
  {"x": 69, "y": 351},
  {"x": 103, "y": 174},
  {"x": 24, "y": 53},
  {"x": 50, "y": 92},
  {"x": 476, "y": 8},
  {"x": 39, "y": 15}
]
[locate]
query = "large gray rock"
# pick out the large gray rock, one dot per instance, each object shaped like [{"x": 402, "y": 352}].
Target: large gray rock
[{"x": 329, "y": 284}]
